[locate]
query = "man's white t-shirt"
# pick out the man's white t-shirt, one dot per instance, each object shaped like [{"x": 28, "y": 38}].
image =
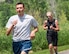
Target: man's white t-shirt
[{"x": 21, "y": 30}]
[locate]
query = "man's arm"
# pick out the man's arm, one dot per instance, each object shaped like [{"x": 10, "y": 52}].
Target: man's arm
[
  {"x": 8, "y": 31},
  {"x": 32, "y": 35}
]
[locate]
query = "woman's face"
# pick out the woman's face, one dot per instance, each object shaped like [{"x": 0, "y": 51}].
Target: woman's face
[{"x": 49, "y": 15}]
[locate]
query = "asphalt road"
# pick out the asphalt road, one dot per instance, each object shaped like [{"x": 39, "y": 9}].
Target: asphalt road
[{"x": 64, "y": 52}]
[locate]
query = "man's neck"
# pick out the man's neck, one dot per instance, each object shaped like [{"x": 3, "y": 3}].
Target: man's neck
[{"x": 21, "y": 15}]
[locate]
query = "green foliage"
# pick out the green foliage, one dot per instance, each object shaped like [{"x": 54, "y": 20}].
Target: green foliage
[
  {"x": 63, "y": 34},
  {"x": 33, "y": 7},
  {"x": 63, "y": 6},
  {"x": 62, "y": 18},
  {"x": 5, "y": 13},
  {"x": 37, "y": 9},
  {"x": 5, "y": 42}
]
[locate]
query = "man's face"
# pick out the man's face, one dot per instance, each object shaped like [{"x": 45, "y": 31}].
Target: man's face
[{"x": 19, "y": 9}]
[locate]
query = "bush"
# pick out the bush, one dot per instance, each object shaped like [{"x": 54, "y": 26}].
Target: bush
[{"x": 5, "y": 42}]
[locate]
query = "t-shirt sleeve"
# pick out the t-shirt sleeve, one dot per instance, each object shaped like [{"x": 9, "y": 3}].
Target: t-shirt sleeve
[
  {"x": 9, "y": 23},
  {"x": 34, "y": 23}
]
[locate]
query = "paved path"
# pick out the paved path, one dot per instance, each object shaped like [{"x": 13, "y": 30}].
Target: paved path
[{"x": 64, "y": 52}]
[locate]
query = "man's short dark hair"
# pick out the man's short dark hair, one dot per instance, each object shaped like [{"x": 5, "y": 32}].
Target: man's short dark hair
[{"x": 20, "y": 3}]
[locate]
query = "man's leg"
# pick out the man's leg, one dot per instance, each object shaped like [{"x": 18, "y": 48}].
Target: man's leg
[
  {"x": 16, "y": 48},
  {"x": 23, "y": 52},
  {"x": 26, "y": 47}
]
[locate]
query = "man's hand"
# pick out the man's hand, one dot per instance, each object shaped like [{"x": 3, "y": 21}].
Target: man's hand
[
  {"x": 32, "y": 35},
  {"x": 14, "y": 22}
]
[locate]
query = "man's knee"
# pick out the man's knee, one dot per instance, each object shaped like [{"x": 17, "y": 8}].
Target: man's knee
[{"x": 23, "y": 52}]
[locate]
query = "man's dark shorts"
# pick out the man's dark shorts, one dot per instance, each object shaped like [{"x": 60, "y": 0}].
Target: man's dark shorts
[{"x": 25, "y": 46}]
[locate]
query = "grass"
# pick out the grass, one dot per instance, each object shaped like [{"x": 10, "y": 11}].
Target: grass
[{"x": 46, "y": 51}]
